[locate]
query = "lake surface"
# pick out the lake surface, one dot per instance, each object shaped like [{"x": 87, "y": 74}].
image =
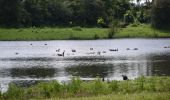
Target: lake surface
[{"x": 26, "y": 62}]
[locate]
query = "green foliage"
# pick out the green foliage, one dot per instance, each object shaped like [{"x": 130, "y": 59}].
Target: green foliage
[
  {"x": 14, "y": 93},
  {"x": 27, "y": 13},
  {"x": 74, "y": 86},
  {"x": 113, "y": 28},
  {"x": 161, "y": 14}
]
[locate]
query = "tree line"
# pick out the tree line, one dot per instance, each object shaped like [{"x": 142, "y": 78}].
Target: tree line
[{"x": 28, "y": 13}]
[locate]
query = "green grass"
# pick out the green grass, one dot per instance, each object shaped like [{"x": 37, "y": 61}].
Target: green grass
[
  {"x": 51, "y": 33},
  {"x": 78, "y": 33},
  {"x": 149, "y": 88},
  {"x": 135, "y": 96},
  {"x": 142, "y": 31}
]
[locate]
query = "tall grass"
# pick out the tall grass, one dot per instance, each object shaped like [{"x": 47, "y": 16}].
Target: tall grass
[{"x": 78, "y": 88}]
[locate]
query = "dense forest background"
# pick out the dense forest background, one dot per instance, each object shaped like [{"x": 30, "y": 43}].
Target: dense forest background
[{"x": 87, "y": 13}]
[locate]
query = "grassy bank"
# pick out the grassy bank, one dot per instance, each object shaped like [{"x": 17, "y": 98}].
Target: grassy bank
[
  {"x": 52, "y": 33},
  {"x": 77, "y": 33},
  {"x": 141, "y": 88},
  {"x": 142, "y": 31}
]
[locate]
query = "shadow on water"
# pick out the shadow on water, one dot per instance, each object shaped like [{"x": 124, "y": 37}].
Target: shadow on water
[
  {"x": 35, "y": 72},
  {"x": 90, "y": 71}
]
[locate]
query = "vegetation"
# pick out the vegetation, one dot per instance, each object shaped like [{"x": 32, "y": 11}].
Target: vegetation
[
  {"x": 77, "y": 88},
  {"x": 78, "y": 33},
  {"x": 52, "y": 33},
  {"x": 135, "y": 96},
  {"x": 141, "y": 31},
  {"x": 29, "y": 13},
  {"x": 161, "y": 14},
  {"x": 113, "y": 14}
]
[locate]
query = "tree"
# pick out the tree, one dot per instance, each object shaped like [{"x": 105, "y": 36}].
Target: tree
[
  {"x": 161, "y": 14},
  {"x": 10, "y": 12}
]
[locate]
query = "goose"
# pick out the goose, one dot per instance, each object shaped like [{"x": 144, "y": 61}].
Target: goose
[
  {"x": 135, "y": 49},
  {"x": 58, "y": 50},
  {"x": 125, "y": 77},
  {"x": 128, "y": 49},
  {"x": 16, "y": 53},
  {"x": 113, "y": 50},
  {"x": 91, "y": 48},
  {"x": 73, "y": 50},
  {"x": 61, "y": 54}
]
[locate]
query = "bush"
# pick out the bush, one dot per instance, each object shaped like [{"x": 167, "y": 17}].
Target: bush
[
  {"x": 161, "y": 14},
  {"x": 96, "y": 36}
]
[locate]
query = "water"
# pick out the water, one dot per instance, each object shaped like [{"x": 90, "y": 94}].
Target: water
[{"x": 26, "y": 62}]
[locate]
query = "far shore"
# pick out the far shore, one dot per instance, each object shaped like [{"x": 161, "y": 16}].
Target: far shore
[{"x": 78, "y": 33}]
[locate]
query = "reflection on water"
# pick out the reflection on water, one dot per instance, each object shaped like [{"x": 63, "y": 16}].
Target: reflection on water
[
  {"x": 40, "y": 63},
  {"x": 90, "y": 71},
  {"x": 35, "y": 72}
]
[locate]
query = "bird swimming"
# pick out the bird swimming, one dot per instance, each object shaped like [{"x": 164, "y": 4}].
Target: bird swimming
[{"x": 61, "y": 54}]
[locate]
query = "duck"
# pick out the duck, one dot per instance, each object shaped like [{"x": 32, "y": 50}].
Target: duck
[
  {"x": 73, "y": 50},
  {"x": 16, "y": 53},
  {"x": 128, "y": 49},
  {"x": 91, "y": 48},
  {"x": 135, "y": 49},
  {"x": 114, "y": 49}
]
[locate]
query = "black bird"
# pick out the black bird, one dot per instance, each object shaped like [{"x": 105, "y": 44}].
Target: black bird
[
  {"x": 125, "y": 77},
  {"x": 114, "y": 49},
  {"x": 73, "y": 50},
  {"x": 91, "y": 48}
]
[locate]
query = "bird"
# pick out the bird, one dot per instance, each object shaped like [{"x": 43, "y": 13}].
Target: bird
[
  {"x": 125, "y": 77},
  {"x": 45, "y": 44},
  {"x": 128, "y": 49},
  {"x": 61, "y": 54},
  {"x": 99, "y": 53},
  {"x": 58, "y": 50},
  {"x": 135, "y": 49},
  {"x": 30, "y": 44},
  {"x": 91, "y": 48},
  {"x": 113, "y": 49},
  {"x": 16, "y": 53},
  {"x": 73, "y": 50}
]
